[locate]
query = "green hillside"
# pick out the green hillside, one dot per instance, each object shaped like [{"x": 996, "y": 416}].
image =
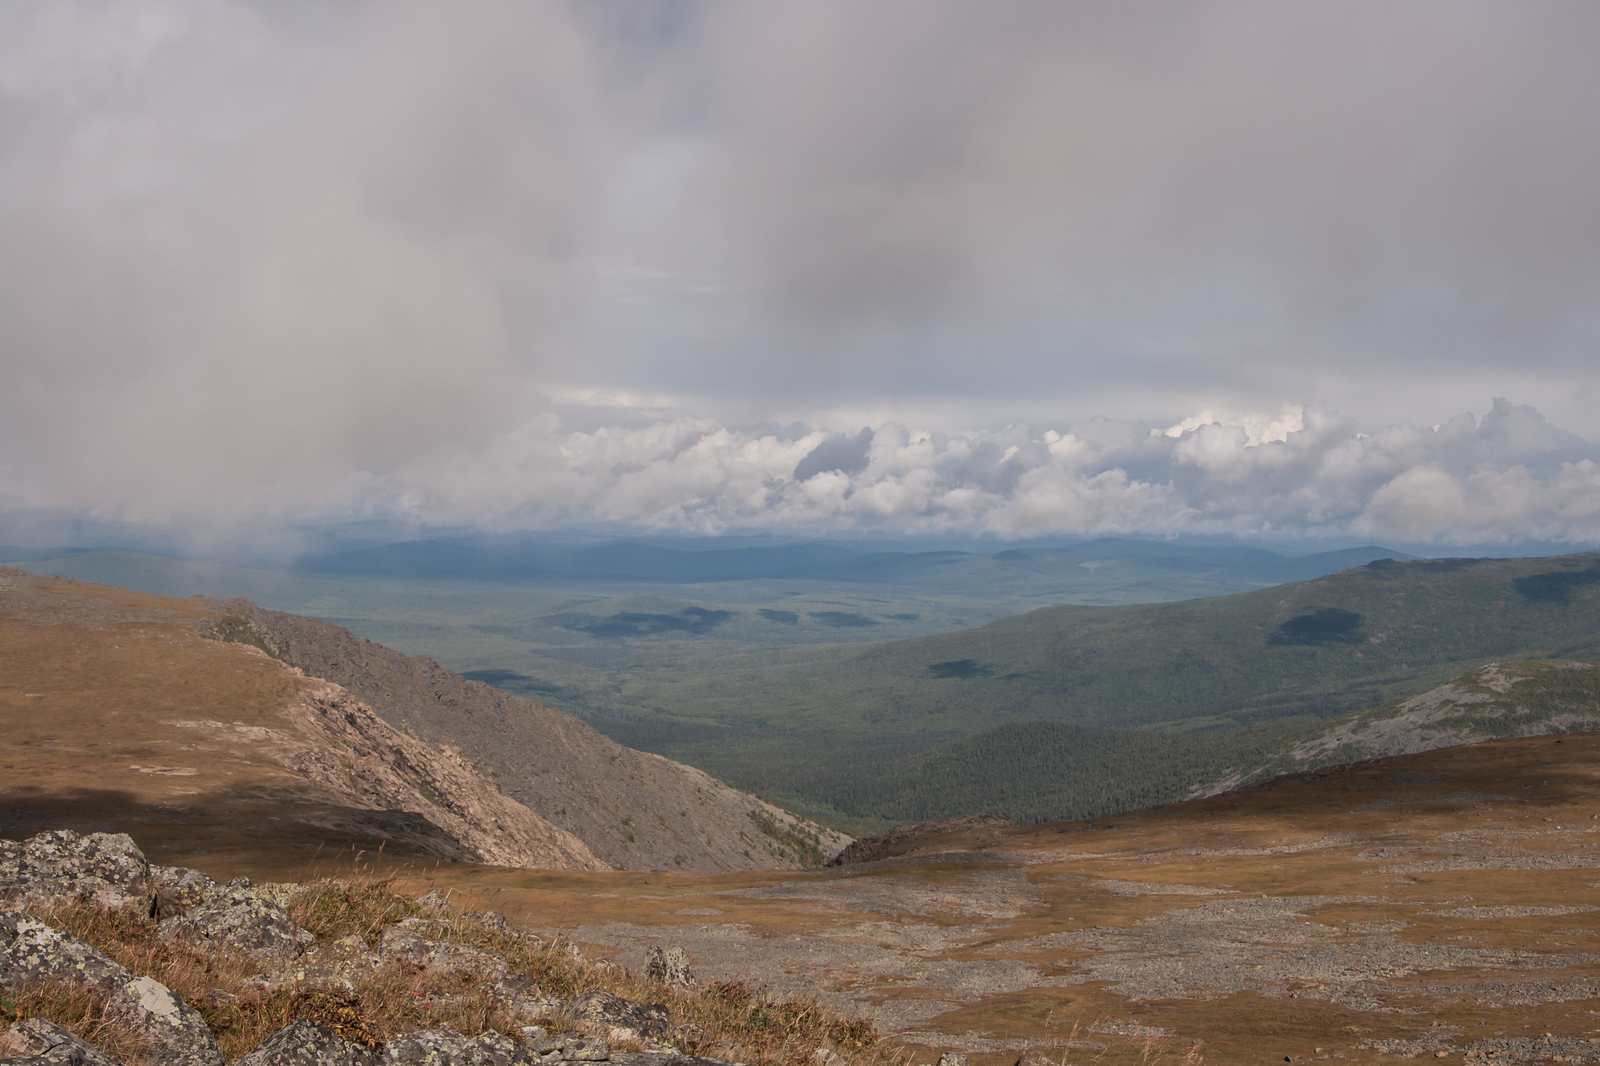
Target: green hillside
[
  {"x": 1042, "y": 771},
  {"x": 1316, "y": 649}
]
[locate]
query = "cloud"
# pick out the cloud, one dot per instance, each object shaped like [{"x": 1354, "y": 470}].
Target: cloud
[
  {"x": 542, "y": 261},
  {"x": 1506, "y": 477}
]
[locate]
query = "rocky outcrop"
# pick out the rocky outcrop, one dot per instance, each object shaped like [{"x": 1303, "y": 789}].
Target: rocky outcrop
[
  {"x": 632, "y": 809},
  {"x": 386, "y": 768},
  {"x": 31, "y": 952},
  {"x": 61, "y": 868},
  {"x": 906, "y": 838},
  {"x": 105, "y": 868}
]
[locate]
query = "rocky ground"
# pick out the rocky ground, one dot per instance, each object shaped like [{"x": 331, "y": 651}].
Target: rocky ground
[{"x": 1440, "y": 904}]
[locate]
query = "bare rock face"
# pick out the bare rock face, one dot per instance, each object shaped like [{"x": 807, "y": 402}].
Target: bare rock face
[
  {"x": 43, "y": 1043},
  {"x": 63, "y": 866},
  {"x": 240, "y": 919},
  {"x": 307, "y": 1043},
  {"x": 903, "y": 838},
  {"x": 634, "y": 810},
  {"x": 32, "y": 951}
]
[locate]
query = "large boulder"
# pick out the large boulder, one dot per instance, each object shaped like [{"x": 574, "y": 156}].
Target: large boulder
[
  {"x": 636, "y": 1020},
  {"x": 240, "y": 919},
  {"x": 61, "y": 867},
  {"x": 307, "y": 1043},
  {"x": 43, "y": 1043},
  {"x": 32, "y": 951}
]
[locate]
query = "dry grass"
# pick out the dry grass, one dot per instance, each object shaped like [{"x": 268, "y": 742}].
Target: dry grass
[{"x": 725, "y": 1020}]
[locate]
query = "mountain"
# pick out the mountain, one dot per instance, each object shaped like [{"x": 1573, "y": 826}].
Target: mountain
[
  {"x": 186, "y": 713},
  {"x": 1318, "y": 649}
]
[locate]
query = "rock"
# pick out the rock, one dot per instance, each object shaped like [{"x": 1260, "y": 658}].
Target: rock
[
  {"x": 32, "y": 951},
  {"x": 331, "y": 965},
  {"x": 179, "y": 890},
  {"x": 435, "y": 900},
  {"x": 445, "y": 1047},
  {"x": 408, "y": 941},
  {"x": 493, "y": 921},
  {"x": 1030, "y": 1057},
  {"x": 62, "y": 867},
  {"x": 826, "y": 1057},
  {"x": 571, "y": 1047},
  {"x": 952, "y": 1058},
  {"x": 670, "y": 967},
  {"x": 645, "y": 1019},
  {"x": 307, "y": 1043},
  {"x": 241, "y": 919},
  {"x": 47, "y": 1044}
]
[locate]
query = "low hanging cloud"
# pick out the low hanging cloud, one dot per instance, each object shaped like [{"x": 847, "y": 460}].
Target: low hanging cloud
[{"x": 1508, "y": 476}]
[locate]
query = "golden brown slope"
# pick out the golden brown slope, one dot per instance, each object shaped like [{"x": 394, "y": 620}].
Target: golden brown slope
[
  {"x": 115, "y": 711},
  {"x": 1442, "y": 901}
]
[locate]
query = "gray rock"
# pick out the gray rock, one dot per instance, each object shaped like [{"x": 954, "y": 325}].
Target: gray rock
[
  {"x": 179, "y": 890},
  {"x": 307, "y": 1043},
  {"x": 493, "y": 921},
  {"x": 410, "y": 941},
  {"x": 62, "y": 867},
  {"x": 445, "y": 1047},
  {"x": 645, "y": 1019},
  {"x": 330, "y": 965},
  {"x": 436, "y": 900},
  {"x": 952, "y": 1058},
  {"x": 241, "y": 919},
  {"x": 671, "y": 967},
  {"x": 48, "y": 1044},
  {"x": 32, "y": 951},
  {"x": 571, "y": 1047}
]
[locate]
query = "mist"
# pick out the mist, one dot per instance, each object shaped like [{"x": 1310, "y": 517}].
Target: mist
[{"x": 1021, "y": 269}]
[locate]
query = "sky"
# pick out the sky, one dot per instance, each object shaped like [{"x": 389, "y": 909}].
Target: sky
[{"x": 1014, "y": 269}]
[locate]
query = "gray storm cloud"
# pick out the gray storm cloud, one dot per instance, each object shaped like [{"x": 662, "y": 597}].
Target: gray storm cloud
[{"x": 302, "y": 260}]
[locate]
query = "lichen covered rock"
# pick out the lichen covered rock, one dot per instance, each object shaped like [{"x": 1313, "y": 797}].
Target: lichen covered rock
[
  {"x": 307, "y": 1043},
  {"x": 639, "y": 1019},
  {"x": 241, "y": 919},
  {"x": 62, "y": 867},
  {"x": 43, "y": 1043}
]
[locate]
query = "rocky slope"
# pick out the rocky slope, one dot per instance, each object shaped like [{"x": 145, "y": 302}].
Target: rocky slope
[
  {"x": 111, "y": 703},
  {"x": 1512, "y": 699},
  {"x": 632, "y": 809},
  {"x": 277, "y": 993}
]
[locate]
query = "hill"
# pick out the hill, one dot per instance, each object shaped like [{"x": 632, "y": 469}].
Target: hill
[
  {"x": 177, "y": 716},
  {"x": 1317, "y": 649},
  {"x": 1041, "y": 771}
]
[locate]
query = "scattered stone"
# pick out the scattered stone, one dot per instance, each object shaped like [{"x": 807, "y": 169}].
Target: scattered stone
[
  {"x": 61, "y": 867},
  {"x": 241, "y": 919},
  {"x": 307, "y": 1043},
  {"x": 670, "y": 967},
  {"x": 47, "y": 1044},
  {"x": 644, "y": 1019},
  {"x": 952, "y": 1058}
]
